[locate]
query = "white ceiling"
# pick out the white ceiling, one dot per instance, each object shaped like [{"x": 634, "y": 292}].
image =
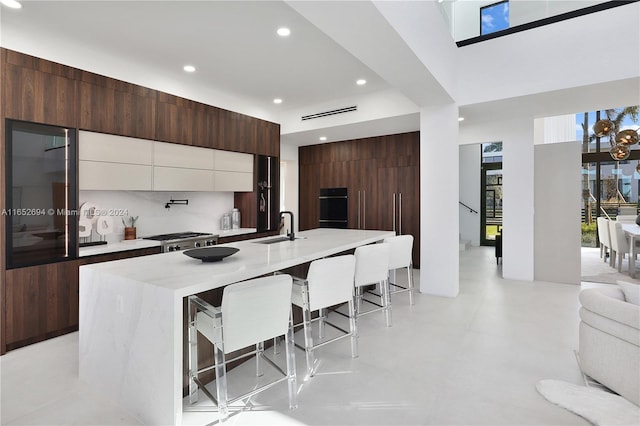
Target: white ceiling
[
  {"x": 242, "y": 65},
  {"x": 233, "y": 45}
]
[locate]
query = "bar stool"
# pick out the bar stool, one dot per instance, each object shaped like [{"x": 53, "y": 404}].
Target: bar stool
[
  {"x": 329, "y": 282},
  {"x": 400, "y": 251},
  {"x": 251, "y": 312},
  {"x": 372, "y": 267}
]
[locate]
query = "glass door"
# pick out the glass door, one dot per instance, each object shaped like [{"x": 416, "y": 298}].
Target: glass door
[
  {"x": 41, "y": 226},
  {"x": 491, "y": 203}
]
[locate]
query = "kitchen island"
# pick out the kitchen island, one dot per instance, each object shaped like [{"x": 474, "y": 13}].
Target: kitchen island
[{"x": 131, "y": 318}]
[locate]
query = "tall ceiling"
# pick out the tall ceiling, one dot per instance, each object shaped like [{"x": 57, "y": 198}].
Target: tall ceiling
[
  {"x": 232, "y": 44},
  {"x": 242, "y": 64}
]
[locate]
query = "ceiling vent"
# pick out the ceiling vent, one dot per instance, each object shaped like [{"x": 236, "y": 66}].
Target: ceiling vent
[{"x": 328, "y": 113}]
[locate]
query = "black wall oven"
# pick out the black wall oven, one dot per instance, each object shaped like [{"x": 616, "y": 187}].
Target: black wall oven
[
  {"x": 333, "y": 208},
  {"x": 41, "y": 200}
]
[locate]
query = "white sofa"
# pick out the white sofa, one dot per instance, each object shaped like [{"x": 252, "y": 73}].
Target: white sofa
[{"x": 609, "y": 348}]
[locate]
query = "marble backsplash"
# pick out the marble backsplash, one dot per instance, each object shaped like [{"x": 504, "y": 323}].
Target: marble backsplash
[{"x": 202, "y": 214}]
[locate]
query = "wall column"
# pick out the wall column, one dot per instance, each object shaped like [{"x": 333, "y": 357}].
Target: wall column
[
  {"x": 439, "y": 189},
  {"x": 518, "y": 201}
]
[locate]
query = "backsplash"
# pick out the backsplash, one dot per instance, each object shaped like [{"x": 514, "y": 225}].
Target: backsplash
[{"x": 202, "y": 214}]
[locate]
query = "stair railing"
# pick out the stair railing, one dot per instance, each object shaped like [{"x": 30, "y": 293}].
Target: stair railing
[{"x": 470, "y": 209}]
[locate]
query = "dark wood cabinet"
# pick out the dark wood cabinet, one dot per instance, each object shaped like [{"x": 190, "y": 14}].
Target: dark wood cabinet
[
  {"x": 107, "y": 257},
  {"x": 40, "y": 302},
  {"x": 38, "y": 91},
  {"x": 309, "y": 191},
  {"x": 186, "y": 122},
  {"x": 399, "y": 205},
  {"x": 116, "y": 107},
  {"x": 42, "y": 91},
  {"x": 381, "y": 174}
]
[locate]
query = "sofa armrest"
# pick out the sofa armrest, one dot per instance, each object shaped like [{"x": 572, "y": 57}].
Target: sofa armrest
[{"x": 609, "y": 303}]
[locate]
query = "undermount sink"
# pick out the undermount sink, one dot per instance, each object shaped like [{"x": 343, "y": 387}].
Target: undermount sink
[
  {"x": 274, "y": 240},
  {"x": 277, "y": 240}
]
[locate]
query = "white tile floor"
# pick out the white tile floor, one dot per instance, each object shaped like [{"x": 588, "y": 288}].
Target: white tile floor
[{"x": 471, "y": 360}]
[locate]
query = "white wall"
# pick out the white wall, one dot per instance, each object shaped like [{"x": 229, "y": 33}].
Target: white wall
[
  {"x": 527, "y": 62},
  {"x": 372, "y": 106},
  {"x": 470, "y": 192},
  {"x": 557, "y": 212},
  {"x": 560, "y": 128},
  {"x": 439, "y": 177},
  {"x": 467, "y": 13},
  {"x": 290, "y": 189},
  {"x": 203, "y": 213},
  {"x": 518, "y": 189}
]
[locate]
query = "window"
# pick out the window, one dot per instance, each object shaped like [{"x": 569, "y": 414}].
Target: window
[{"x": 494, "y": 17}]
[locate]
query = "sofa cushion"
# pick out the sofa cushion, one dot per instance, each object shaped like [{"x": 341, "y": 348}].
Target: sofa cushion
[
  {"x": 614, "y": 328},
  {"x": 609, "y": 302},
  {"x": 631, "y": 292}
]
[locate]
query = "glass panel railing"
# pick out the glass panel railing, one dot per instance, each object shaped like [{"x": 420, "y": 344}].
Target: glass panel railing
[{"x": 474, "y": 20}]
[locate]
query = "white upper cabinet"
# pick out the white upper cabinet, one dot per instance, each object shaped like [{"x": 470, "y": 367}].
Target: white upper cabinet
[
  {"x": 233, "y": 171},
  {"x": 184, "y": 156},
  {"x": 182, "y": 179},
  {"x": 233, "y": 181},
  {"x": 98, "y": 175},
  {"x": 233, "y": 161},
  {"x": 109, "y": 162},
  {"x": 114, "y": 149}
]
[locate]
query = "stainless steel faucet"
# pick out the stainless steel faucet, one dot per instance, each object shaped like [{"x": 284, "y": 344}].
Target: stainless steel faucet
[{"x": 291, "y": 235}]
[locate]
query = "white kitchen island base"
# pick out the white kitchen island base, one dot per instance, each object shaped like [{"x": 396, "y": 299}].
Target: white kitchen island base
[{"x": 131, "y": 317}]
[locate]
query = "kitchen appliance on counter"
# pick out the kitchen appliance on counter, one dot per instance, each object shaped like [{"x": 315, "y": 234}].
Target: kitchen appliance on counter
[
  {"x": 268, "y": 199},
  {"x": 184, "y": 240},
  {"x": 333, "y": 208}
]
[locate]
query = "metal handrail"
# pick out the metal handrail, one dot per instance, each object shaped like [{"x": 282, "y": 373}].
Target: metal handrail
[
  {"x": 601, "y": 208},
  {"x": 470, "y": 209}
]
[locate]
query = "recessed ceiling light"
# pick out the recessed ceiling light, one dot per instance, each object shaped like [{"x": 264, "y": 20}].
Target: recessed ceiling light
[
  {"x": 283, "y": 32},
  {"x": 277, "y": 101},
  {"x": 460, "y": 118},
  {"x": 13, "y": 4},
  {"x": 323, "y": 138},
  {"x": 189, "y": 68},
  {"x": 361, "y": 82}
]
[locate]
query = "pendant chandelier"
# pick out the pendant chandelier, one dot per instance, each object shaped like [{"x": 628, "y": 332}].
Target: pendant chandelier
[{"x": 620, "y": 141}]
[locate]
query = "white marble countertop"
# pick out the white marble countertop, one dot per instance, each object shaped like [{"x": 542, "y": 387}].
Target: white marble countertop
[
  {"x": 141, "y": 243},
  {"x": 131, "y": 313},
  {"x": 123, "y": 245},
  {"x": 234, "y": 232},
  {"x": 185, "y": 276}
]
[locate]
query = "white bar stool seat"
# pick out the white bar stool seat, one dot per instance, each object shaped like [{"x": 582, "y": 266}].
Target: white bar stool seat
[
  {"x": 400, "y": 257},
  {"x": 372, "y": 267},
  {"x": 329, "y": 283},
  {"x": 251, "y": 312}
]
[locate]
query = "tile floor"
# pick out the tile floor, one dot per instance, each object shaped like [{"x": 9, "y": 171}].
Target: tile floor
[{"x": 471, "y": 360}]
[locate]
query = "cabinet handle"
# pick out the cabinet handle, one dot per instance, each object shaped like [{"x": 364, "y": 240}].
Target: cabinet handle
[
  {"x": 400, "y": 212},
  {"x": 358, "y": 209},
  {"x": 364, "y": 209},
  {"x": 394, "y": 212}
]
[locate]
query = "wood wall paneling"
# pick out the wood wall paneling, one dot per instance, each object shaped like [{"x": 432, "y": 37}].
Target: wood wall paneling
[
  {"x": 34, "y": 89},
  {"x": 309, "y": 191},
  {"x": 372, "y": 169},
  {"x": 41, "y": 302},
  {"x": 116, "y": 107},
  {"x": 37, "y": 96}
]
